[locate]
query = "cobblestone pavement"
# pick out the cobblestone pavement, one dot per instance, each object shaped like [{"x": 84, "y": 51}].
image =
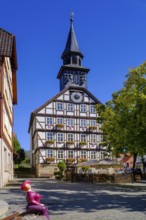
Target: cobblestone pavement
[{"x": 82, "y": 201}]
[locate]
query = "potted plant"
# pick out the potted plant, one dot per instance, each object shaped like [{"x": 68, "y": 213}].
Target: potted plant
[
  {"x": 82, "y": 160},
  {"x": 69, "y": 142},
  {"x": 50, "y": 142},
  {"x": 103, "y": 144},
  {"x": 92, "y": 127},
  {"x": 70, "y": 160},
  {"x": 60, "y": 125},
  {"x": 50, "y": 159},
  {"x": 83, "y": 143}
]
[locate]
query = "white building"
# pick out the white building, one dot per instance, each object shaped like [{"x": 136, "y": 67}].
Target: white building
[
  {"x": 8, "y": 97},
  {"x": 65, "y": 127}
]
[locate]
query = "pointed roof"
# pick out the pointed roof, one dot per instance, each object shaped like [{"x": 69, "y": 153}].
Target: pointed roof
[{"x": 71, "y": 44}]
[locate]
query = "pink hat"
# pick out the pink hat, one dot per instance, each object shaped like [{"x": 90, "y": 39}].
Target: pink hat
[{"x": 24, "y": 184}]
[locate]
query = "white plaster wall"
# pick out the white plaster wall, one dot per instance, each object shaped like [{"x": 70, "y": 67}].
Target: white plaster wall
[{"x": 6, "y": 167}]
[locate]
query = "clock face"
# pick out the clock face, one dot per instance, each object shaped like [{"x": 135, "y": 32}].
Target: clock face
[{"x": 76, "y": 97}]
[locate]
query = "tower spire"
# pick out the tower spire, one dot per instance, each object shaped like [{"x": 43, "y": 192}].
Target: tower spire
[{"x": 71, "y": 44}]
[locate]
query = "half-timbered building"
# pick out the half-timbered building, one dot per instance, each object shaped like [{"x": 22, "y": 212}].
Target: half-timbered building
[
  {"x": 8, "y": 97},
  {"x": 65, "y": 127}
]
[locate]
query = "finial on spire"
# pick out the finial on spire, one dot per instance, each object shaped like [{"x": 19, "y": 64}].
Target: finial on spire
[{"x": 71, "y": 17}]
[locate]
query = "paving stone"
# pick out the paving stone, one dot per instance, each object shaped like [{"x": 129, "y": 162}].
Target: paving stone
[{"x": 83, "y": 201}]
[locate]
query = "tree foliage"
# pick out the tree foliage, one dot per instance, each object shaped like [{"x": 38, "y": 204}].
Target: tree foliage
[
  {"x": 124, "y": 117},
  {"x": 62, "y": 166},
  {"x": 19, "y": 156},
  {"x": 16, "y": 144},
  {"x": 18, "y": 152}
]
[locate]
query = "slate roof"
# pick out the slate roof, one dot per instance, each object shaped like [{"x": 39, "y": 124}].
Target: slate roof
[{"x": 71, "y": 44}]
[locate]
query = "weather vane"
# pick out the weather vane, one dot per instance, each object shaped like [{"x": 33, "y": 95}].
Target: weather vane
[{"x": 71, "y": 16}]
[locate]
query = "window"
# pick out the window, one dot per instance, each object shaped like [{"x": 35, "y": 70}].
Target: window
[
  {"x": 70, "y": 107},
  {"x": 59, "y": 120},
  {"x": 93, "y": 138},
  {"x": 60, "y": 137},
  {"x": 83, "y": 138},
  {"x": 49, "y": 121},
  {"x": 70, "y": 122},
  {"x": 70, "y": 137},
  {"x": 101, "y": 155},
  {"x": 83, "y": 122},
  {"x": 92, "y": 155},
  {"x": 59, "y": 106},
  {"x": 92, "y": 122},
  {"x": 50, "y": 136},
  {"x": 92, "y": 109},
  {"x": 83, "y": 154},
  {"x": 83, "y": 108},
  {"x": 50, "y": 153},
  {"x": 74, "y": 60},
  {"x": 70, "y": 154},
  {"x": 60, "y": 154}
]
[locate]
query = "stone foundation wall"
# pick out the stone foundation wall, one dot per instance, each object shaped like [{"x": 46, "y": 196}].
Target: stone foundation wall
[
  {"x": 46, "y": 170},
  {"x": 99, "y": 178}
]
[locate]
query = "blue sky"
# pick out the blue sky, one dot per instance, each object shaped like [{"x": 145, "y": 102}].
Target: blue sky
[{"x": 111, "y": 34}]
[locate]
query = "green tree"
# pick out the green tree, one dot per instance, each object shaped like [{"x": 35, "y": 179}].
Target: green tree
[
  {"x": 18, "y": 152},
  {"x": 16, "y": 144},
  {"x": 124, "y": 117},
  {"x": 62, "y": 166}
]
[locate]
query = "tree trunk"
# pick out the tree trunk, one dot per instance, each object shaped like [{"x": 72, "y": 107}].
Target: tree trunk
[{"x": 134, "y": 161}]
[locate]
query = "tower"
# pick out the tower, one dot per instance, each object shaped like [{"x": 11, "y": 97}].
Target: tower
[
  {"x": 72, "y": 73},
  {"x": 65, "y": 127}
]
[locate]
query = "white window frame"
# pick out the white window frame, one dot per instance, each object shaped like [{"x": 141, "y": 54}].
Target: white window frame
[
  {"x": 49, "y": 120},
  {"x": 70, "y": 137},
  {"x": 83, "y": 108},
  {"x": 83, "y": 154},
  {"x": 60, "y": 137},
  {"x": 60, "y": 154},
  {"x": 93, "y": 123},
  {"x": 70, "y": 154},
  {"x": 59, "y": 106},
  {"x": 50, "y": 153},
  {"x": 92, "y": 109},
  {"x": 59, "y": 121},
  {"x": 93, "y": 138},
  {"x": 50, "y": 136},
  {"x": 83, "y": 138},
  {"x": 70, "y": 122},
  {"x": 83, "y": 122},
  {"x": 92, "y": 155},
  {"x": 70, "y": 107}
]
